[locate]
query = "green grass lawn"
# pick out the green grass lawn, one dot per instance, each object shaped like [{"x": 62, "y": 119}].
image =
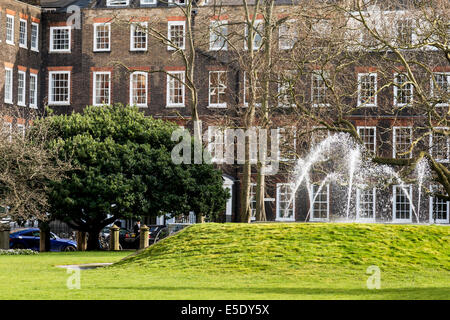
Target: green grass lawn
[{"x": 257, "y": 261}]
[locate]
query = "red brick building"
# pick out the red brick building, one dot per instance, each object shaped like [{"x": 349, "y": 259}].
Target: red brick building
[{"x": 81, "y": 52}]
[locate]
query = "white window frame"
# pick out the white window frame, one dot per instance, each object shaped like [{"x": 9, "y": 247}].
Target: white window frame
[
  {"x": 413, "y": 34},
  {"x": 447, "y": 160},
  {"x": 396, "y": 89},
  {"x": 169, "y": 36},
  {"x": 320, "y": 74},
  {"x": 394, "y": 142},
  {"x": 222, "y": 25},
  {"x": 258, "y": 83},
  {"x": 256, "y": 44},
  {"x": 292, "y": 36},
  {"x": 132, "y": 32},
  {"x": 252, "y": 199},
  {"x": 140, "y": 105},
  {"x": 36, "y": 46},
  {"x": 23, "y": 45},
  {"x": 34, "y": 95},
  {"x": 52, "y": 30},
  {"x": 447, "y": 74},
  {"x": 21, "y": 91},
  {"x": 369, "y": 74},
  {"x": 94, "y": 88},
  {"x": 168, "y": 83},
  {"x": 359, "y": 128},
  {"x": 9, "y": 94},
  {"x": 311, "y": 204},
  {"x": 96, "y": 25},
  {"x": 220, "y": 104},
  {"x": 283, "y": 95},
  {"x": 7, "y": 130},
  {"x": 147, "y": 2},
  {"x": 11, "y": 39},
  {"x": 50, "y": 89},
  {"x": 280, "y": 156},
  {"x": 21, "y": 129},
  {"x": 278, "y": 208},
  {"x": 431, "y": 204},
  {"x": 394, "y": 203},
  {"x": 218, "y": 145},
  {"x": 358, "y": 206}
]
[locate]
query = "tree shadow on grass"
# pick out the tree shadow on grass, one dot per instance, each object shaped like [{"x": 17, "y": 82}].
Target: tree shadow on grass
[{"x": 319, "y": 293}]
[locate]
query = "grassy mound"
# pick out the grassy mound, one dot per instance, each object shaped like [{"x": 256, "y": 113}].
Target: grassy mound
[{"x": 296, "y": 248}]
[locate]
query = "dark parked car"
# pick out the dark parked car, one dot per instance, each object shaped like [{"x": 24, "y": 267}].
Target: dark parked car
[
  {"x": 158, "y": 232},
  {"x": 29, "y": 239},
  {"x": 130, "y": 240}
]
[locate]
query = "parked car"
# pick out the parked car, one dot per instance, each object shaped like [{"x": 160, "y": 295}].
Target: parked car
[
  {"x": 126, "y": 241},
  {"x": 130, "y": 240},
  {"x": 29, "y": 239},
  {"x": 157, "y": 232}
]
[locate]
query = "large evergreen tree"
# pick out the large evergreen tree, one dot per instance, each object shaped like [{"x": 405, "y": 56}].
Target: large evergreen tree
[{"x": 123, "y": 168}]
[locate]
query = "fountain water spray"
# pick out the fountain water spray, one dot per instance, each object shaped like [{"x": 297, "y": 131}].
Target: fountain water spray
[{"x": 344, "y": 162}]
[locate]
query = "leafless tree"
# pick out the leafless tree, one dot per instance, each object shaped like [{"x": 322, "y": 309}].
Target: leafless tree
[{"x": 26, "y": 169}]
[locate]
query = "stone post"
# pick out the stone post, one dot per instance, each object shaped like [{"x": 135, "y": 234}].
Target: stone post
[
  {"x": 144, "y": 237},
  {"x": 114, "y": 238},
  {"x": 4, "y": 235}
]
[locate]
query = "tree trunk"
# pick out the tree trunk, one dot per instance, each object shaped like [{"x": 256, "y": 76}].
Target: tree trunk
[
  {"x": 245, "y": 214},
  {"x": 44, "y": 234},
  {"x": 93, "y": 240},
  {"x": 260, "y": 192},
  {"x": 260, "y": 180},
  {"x": 81, "y": 241}
]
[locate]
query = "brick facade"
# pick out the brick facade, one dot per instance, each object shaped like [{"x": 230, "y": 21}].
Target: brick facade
[{"x": 120, "y": 61}]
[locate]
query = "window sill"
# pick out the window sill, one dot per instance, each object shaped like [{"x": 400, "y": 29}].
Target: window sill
[
  {"x": 319, "y": 219},
  {"x": 285, "y": 219},
  {"x": 175, "y": 106},
  {"x": 138, "y": 50},
  {"x": 286, "y": 48},
  {"x": 101, "y": 50},
  {"x": 32, "y": 107},
  {"x": 60, "y": 51},
  {"x": 217, "y": 106},
  {"x": 35, "y": 49},
  {"x": 23, "y": 46},
  {"x": 401, "y": 220},
  {"x": 59, "y": 104},
  {"x": 362, "y": 105},
  {"x": 10, "y": 43}
]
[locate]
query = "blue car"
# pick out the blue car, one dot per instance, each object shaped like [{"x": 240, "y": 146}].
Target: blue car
[{"x": 29, "y": 239}]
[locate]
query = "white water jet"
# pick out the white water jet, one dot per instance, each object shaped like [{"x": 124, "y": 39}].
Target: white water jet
[
  {"x": 342, "y": 160},
  {"x": 421, "y": 169},
  {"x": 354, "y": 156}
]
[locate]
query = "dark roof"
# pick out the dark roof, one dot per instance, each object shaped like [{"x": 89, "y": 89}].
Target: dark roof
[
  {"x": 164, "y": 3},
  {"x": 60, "y": 4}
]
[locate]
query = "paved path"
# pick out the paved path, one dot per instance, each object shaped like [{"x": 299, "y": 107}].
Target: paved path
[{"x": 85, "y": 266}]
